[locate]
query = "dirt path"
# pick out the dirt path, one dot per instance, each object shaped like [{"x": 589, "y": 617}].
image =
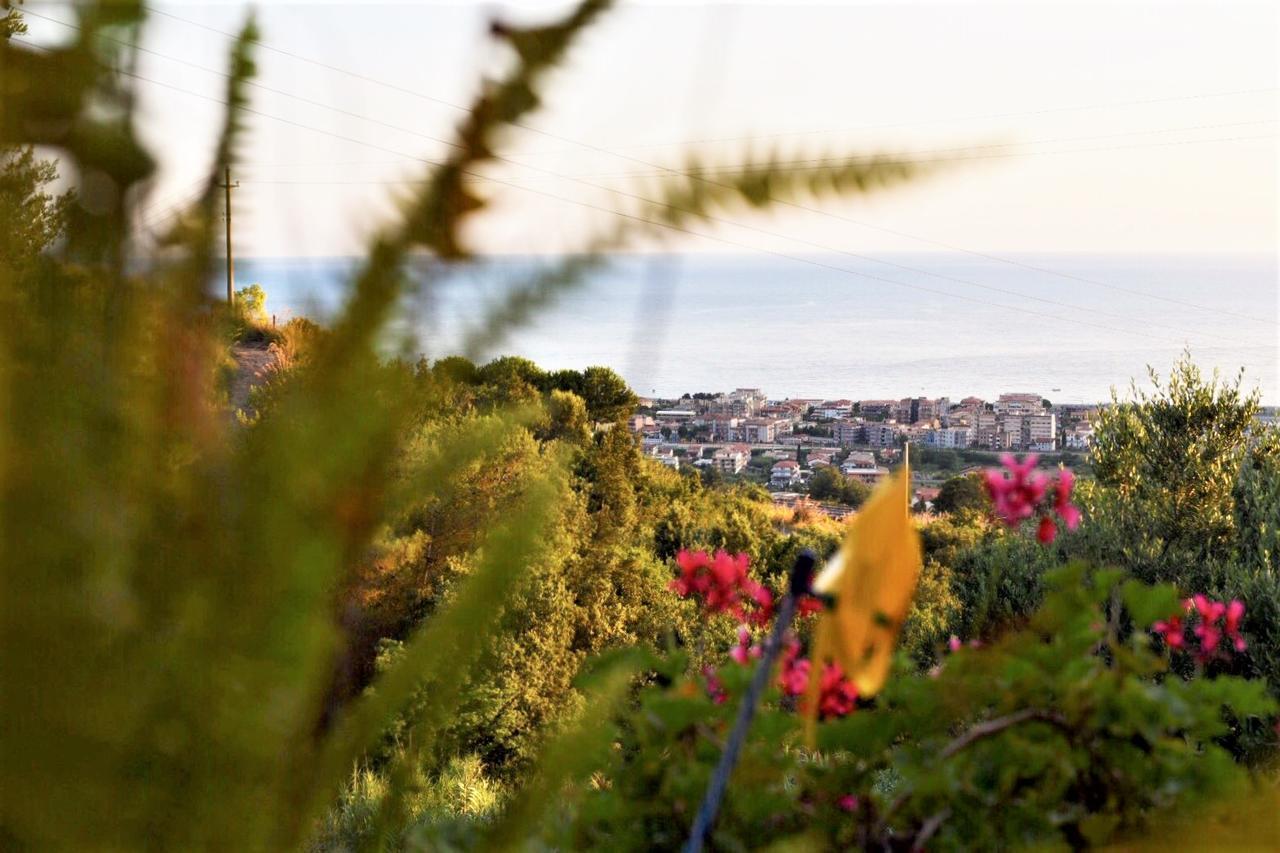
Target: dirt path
[{"x": 252, "y": 363}]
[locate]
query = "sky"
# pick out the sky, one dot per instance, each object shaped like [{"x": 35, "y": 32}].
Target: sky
[{"x": 1116, "y": 127}]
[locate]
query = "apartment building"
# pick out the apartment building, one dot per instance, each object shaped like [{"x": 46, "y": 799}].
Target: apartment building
[
  {"x": 847, "y": 432},
  {"x": 1040, "y": 432},
  {"x": 948, "y": 438},
  {"x": 880, "y": 435},
  {"x": 731, "y": 460},
  {"x": 1018, "y": 404}
]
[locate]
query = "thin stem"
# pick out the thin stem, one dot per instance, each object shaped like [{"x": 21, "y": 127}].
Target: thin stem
[{"x": 999, "y": 724}]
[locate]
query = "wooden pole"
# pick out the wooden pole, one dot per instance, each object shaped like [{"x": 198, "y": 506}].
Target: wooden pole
[{"x": 231, "y": 265}]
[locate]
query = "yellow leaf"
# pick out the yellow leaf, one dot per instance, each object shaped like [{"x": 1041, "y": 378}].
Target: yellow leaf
[{"x": 872, "y": 578}]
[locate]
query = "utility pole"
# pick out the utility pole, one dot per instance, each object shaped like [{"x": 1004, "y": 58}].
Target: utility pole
[{"x": 231, "y": 266}]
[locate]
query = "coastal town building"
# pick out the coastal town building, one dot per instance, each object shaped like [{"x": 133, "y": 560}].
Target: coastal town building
[
  {"x": 847, "y": 432},
  {"x": 870, "y": 476},
  {"x": 1040, "y": 432},
  {"x": 785, "y": 473},
  {"x": 948, "y": 438},
  {"x": 1018, "y": 404},
  {"x": 880, "y": 435},
  {"x": 731, "y": 459},
  {"x": 877, "y": 408},
  {"x": 833, "y": 409}
]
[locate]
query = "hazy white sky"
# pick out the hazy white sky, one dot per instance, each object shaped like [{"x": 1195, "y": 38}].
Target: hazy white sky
[{"x": 1134, "y": 128}]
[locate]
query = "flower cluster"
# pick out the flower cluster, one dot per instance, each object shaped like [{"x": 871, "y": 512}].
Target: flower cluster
[
  {"x": 722, "y": 585},
  {"x": 1019, "y": 493},
  {"x": 1214, "y": 621},
  {"x": 837, "y": 695}
]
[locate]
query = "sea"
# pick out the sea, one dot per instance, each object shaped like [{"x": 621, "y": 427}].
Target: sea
[{"x": 1071, "y": 327}]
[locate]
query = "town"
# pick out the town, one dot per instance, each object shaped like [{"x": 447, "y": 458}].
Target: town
[{"x": 784, "y": 443}]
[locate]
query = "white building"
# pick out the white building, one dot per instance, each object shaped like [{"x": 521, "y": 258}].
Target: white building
[
  {"x": 950, "y": 438},
  {"x": 730, "y": 460},
  {"x": 833, "y": 409},
  {"x": 1040, "y": 432},
  {"x": 784, "y": 473}
]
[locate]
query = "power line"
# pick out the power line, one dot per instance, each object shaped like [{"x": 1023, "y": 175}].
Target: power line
[
  {"x": 660, "y": 224},
  {"x": 921, "y": 122},
  {"x": 741, "y": 169},
  {"x": 579, "y": 144},
  {"x": 1046, "y": 110}
]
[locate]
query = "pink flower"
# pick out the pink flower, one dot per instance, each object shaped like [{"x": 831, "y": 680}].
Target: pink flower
[
  {"x": 722, "y": 585},
  {"x": 793, "y": 677},
  {"x": 1235, "y": 612},
  {"x": 715, "y": 687},
  {"x": 761, "y": 599},
  {"x": 954, "y": 643},
  {"x": 1209, "y": 610},
  {"x": 1171, "y": 632},
  {"x": 744, "y": 650},
  {"x": 808, "y": 604},
  {"x": 1016, "y": 497},
  {"x": 847, "y": 803},
  {"x": 1067, "y": 511},
  {"x": 1210, "y": 636},
  {"x": 837, "y": 696},
  {"x": 1047, "y": 530}
]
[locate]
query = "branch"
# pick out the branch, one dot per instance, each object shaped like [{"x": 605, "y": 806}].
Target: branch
[
  {"x": 929, "y": 827},
  {"x": 999, "y": 724}
]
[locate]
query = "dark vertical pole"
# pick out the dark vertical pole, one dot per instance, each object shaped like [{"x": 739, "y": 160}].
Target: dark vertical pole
[
  {"x": 231, "y": 266},
  {"x": 801, "y": 577}
]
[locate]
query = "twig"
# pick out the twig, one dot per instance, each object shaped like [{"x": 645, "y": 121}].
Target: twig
[
  {"x": 929, "y": 827},
  {"x": 999, "y": 724}
]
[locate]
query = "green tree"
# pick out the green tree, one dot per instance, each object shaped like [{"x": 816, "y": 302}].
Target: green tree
[
  {"x": 854, "y": 492},
  {"x": 33, "y": 218},
  {"x": 826, "y": 484},
  {"x": 961, "y": 493},
  {"x": 1169, "y": 461},
  {"x": 252, "y": 300}
]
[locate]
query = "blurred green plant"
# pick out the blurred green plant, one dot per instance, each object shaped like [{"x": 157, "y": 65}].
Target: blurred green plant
[{"x": 176, "y": 623}]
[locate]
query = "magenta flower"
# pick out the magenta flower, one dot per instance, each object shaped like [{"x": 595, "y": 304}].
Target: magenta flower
[
  {"x": 1171, "y": 632},
  {"x": 1017, "y": 496},
  {"x": 847, "y": 803},
  {"x": 715, "y": 687},
  {"x": 793, "y": 677},
  {"x": 837, "y": 696},
  {"x": 1235, "y": 612},
  {"x": 1046, "y": 530},
  {"x": 1214, "y": 620},
  {"x": 1062, "y": 505},
  {"x": 722, "y": 585},
  {"x": 745, "y": 650},
  {"x": 1018, "y": 493}
]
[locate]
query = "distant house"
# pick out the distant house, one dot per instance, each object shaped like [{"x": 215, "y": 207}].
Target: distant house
[
  {"x": 730, "y": 460},
  {"x": 784, "y": 473},
  {"x": 860, "y": 459},
  {"x": 870, "y": 476},
  {"x": 833, "y": 409},
  {"x": 820, "y": 457},
  {"x": 927, "y": 496}
]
